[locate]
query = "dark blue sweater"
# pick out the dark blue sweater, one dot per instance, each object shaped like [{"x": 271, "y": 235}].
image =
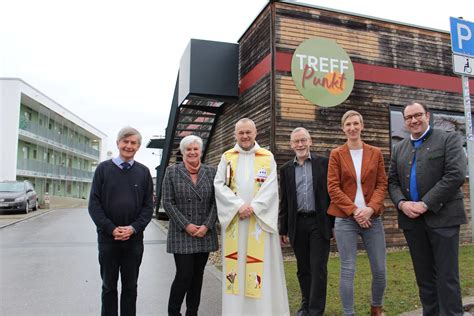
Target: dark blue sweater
[{"x": 121, "y": 198}]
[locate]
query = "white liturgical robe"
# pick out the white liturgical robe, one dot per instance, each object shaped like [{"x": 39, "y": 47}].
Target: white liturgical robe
[{"x": 274, "y": 298}]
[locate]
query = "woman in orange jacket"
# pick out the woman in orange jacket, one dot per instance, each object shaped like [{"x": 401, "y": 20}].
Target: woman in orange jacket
[{"x": 357, "y": 184}]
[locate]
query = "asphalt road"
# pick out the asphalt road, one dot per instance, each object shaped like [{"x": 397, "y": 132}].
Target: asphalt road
[{"x": 48, "y": 266}]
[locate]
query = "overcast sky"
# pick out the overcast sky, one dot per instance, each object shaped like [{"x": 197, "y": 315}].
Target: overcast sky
[{"x": 114, "y": 62}]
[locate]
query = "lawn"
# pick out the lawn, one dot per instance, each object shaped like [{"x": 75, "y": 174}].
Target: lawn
[{"x": 401, "y": 294}]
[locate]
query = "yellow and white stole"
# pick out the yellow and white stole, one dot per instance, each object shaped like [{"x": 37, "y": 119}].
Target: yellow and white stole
[{"x": 256, "y": 235}]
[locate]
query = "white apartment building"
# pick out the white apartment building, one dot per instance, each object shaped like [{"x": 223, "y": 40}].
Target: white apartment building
[{"x": 43, "y": 142}]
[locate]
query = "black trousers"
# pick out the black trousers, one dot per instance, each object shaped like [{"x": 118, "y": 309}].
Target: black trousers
[
  {"x": 124, "y": 257},
  {"x": 434, "y": 253},
  {"x": 312, "y": 254},
  {"x": 187, "y": 282}
]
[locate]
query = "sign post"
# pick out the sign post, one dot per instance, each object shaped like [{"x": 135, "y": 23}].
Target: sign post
[
  {"x": 462, "y": 45},
  {"x": 47, "y": 200}
]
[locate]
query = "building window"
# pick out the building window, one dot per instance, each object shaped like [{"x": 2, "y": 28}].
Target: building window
[
  {"x": 452, "y": 122},
  {"x": 397, "y": 126},
  {"x": 448, "y": 121}
]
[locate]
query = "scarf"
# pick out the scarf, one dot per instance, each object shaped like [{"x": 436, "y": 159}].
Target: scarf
[{"x": 193, "y": 169}]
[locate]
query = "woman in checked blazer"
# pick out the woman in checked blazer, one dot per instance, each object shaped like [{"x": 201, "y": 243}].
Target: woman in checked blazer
[{"x": 188, "y": 199}]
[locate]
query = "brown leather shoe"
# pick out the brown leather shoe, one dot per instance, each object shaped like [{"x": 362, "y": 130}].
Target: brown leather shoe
[{"x": 376, "y": 311}]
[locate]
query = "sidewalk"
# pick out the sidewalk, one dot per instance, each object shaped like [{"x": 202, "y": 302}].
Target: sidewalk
[
  {"x": 467, "y": 302},
  {"x": 57, "y": 202},
  {"x": 10, "y": 219}
]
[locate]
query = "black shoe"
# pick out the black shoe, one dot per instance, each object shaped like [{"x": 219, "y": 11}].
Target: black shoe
[{"x": 302, "y": 312}]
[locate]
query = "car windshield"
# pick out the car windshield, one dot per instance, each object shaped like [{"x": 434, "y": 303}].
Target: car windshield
[{"x": 11, "y": 186}]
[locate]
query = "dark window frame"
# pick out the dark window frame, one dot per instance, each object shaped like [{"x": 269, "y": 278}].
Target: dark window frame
[{"x": 433, "y": 113}]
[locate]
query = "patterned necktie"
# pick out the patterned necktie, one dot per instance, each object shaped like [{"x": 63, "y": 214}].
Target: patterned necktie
[{"x": 125, "y": 165}]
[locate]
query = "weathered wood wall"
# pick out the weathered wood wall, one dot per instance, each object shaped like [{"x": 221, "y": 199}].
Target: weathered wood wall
[
  {"x": 255, "y": 102},
  {"x": 277, "y": 107},
  {"x": 366, "y": 41}
]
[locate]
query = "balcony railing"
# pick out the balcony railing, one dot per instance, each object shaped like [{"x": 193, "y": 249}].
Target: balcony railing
[
  {"x": 55, "y": 171},
  {"x": 61, "y": 139}
]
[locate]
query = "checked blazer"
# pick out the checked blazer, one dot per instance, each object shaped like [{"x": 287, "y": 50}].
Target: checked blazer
[{"x": 189, "y": 203}]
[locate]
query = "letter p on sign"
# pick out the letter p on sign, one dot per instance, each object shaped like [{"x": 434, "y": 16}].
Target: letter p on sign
[{"x": 462, "y": 37}]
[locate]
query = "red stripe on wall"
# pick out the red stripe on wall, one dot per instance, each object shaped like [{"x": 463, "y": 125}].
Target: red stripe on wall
[
  {"x": 387, "y": 75},
  {"x": 364, "y": 72},
  {"x": 408, "y": 78},
  {"x": 283, "y": 61},
  {"x": 258, "y": 72}
]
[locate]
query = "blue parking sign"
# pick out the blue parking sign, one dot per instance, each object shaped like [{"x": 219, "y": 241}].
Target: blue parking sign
[{"x": 462, "y": 37}]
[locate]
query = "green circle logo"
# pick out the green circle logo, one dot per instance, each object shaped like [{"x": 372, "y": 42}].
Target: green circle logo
[{"x": 322, "y": 72}]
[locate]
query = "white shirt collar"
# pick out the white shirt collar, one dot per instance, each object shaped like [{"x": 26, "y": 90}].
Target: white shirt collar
[
  {"x": 423, "y": 135},
  {"x": 248, "y": 152}
]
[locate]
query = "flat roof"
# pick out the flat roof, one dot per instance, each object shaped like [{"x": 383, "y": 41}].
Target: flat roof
[{"x": 302, "y": 4}]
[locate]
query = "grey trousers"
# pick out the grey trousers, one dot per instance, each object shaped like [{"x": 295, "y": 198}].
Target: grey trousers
[{"x": 346, "y": 231}]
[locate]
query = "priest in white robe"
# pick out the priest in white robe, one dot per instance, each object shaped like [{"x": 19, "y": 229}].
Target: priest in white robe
[{"x": 246, "y": 190}]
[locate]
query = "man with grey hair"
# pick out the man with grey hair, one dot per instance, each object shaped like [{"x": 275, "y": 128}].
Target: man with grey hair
[
  {"x": 303, "y": 220},
  {"x": 121, "y": 206}
]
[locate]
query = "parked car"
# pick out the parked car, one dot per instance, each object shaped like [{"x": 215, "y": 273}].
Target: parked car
[{"x": 18, "y": 196}]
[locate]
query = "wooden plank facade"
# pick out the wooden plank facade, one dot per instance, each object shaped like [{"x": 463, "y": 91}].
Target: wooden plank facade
[{"x": 394, "y": 64}]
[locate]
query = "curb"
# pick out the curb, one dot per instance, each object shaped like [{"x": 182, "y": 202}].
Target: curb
[
  {"x": 33, "y": 214},
  {"x": 467, "y": 301}
]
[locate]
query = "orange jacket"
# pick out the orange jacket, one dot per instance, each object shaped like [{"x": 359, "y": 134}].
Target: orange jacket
[{"x": 342, "y": 181}]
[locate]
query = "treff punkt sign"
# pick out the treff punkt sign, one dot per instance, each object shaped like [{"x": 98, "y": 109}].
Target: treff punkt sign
[
  {"x": 322, "y": 72},
  {"x": 462, "y": 45}
]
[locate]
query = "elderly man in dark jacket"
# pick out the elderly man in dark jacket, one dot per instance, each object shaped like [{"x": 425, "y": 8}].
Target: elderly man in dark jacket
[{"x": 304, "y": 222}]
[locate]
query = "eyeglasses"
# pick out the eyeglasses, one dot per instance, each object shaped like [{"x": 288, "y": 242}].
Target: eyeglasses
[
  {"x": 303, "y": 141},
  {"x": 417, "y": 116}
]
